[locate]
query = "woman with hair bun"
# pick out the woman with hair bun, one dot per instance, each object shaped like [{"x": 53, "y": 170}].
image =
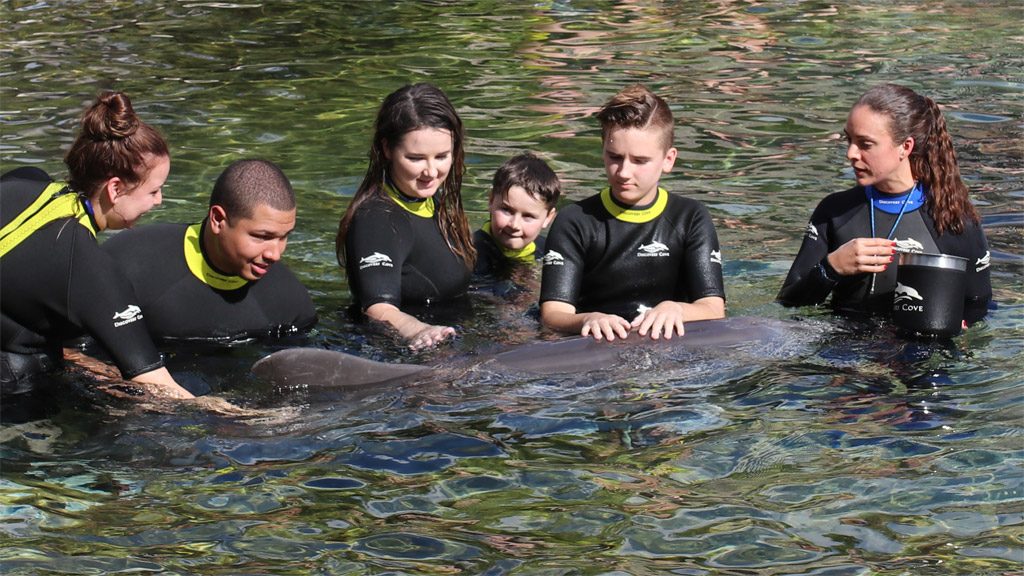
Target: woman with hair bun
[
  {"x": 909, "y": 196},
  {"x": 56, "y": 282}
]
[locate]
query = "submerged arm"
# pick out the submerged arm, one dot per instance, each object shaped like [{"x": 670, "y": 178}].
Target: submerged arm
[{"x": 419, "y": 334}]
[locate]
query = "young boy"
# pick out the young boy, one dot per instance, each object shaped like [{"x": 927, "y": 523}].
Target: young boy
[
  {"x": 522, "y": 203},
  {"x": 633, "y": 256}
]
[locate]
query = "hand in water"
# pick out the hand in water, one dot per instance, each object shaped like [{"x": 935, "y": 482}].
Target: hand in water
[{"x": 430, "y": 336}]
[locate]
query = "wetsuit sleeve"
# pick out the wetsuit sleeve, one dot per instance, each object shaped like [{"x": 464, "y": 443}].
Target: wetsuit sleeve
[
  {"x": 487, "y": 254},
  {"x": 702, "y": 267},
  {"x": 101, "y": 301},
  {"x": 376, "y": 247},
  {"x": 973, "y": 246},
  {"x": 562, "y": 273},
  {"x": 811, "y": 278}
]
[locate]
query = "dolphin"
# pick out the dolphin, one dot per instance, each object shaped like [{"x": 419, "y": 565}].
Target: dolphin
[{"x": 315, "y": 367}]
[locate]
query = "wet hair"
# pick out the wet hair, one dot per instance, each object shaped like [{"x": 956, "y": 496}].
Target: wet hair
[
  {"x": 933, "y": 160},
  {"x": 410, "y": 108},
  {"x": 637, "y": 107},
  {"x": 112, "y": 142},
  {"x": 247, "y": 184},
  {"x": 532, "y": 174}
]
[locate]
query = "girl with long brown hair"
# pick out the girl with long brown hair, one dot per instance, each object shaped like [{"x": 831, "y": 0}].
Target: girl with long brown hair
[{"x": 405, "y": 239}]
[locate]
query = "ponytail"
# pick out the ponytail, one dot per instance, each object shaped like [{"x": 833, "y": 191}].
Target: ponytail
[{"x": 936, "y": 167}]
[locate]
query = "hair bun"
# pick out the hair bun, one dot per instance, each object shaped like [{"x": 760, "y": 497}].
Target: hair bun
[{"x": 111, "y": 117}]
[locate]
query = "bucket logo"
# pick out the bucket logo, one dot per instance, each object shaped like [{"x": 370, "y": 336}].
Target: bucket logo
[
  {"x": 983, "y": 262},
  {"x": 907, "y": 299},
  {"x": 716, "y": 257},
  {"x": 812, "y": 232},
  {"x": 374, "y": 260},
  {"x": 907, "y": 293},
  {"x": 127, "y": 316},
  {"x": 552, "y": 258},
  {"x": 909, "y": 245},
  {"x": 655, "y": 249}
]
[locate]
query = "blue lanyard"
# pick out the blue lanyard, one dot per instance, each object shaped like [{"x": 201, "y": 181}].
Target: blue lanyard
[{"x": 871, "y": 200}]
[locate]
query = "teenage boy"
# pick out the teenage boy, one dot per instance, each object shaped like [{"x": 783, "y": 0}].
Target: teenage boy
[
  {"x": 632, "y": 256},
  {"x": 522, "y": 203},
  {"x": 220, "y": 279}
]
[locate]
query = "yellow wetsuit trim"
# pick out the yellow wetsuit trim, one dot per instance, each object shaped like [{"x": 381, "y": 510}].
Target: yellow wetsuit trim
[
  {"x": 524, "y": 254},
  {"x": 635, "y": 216},
  {"x": 421, "y": 208},
  {"x": 50, "y": 205},
  {"x": 201, "y": 269}
]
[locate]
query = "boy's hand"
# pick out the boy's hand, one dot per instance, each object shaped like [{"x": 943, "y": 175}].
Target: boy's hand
[
  {"x": 604, "y": 326},
  {"x": 664, "y": 319}
]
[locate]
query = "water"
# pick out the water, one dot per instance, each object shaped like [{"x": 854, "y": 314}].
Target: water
[{"x": 852, "y": 453}]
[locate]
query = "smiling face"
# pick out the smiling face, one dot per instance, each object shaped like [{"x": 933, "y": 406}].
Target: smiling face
[
  {"x": 129, "y": 202},
  {"x": 634, "y": 160},
  {"x": 875, "y": 158},
  {"x": 420, "y": 161},
  {"x": 247, "y": 247},
  {"x": 517, "y": 219}
]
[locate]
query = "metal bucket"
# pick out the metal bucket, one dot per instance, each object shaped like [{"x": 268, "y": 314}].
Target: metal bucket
[{"x": 929, "y": 297}]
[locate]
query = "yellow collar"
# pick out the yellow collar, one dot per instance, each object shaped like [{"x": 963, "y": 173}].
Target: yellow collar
[
  {"x": 53, "y": 203},
  {"x": 421, "y": 208},
  {"x": 633, "y": 215},
  {"x": 202, "y": 269},
  {"x": 524, "y": 254}
]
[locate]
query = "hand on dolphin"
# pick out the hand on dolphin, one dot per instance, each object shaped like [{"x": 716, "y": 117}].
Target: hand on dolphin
[{"x": 300, "y": 367}]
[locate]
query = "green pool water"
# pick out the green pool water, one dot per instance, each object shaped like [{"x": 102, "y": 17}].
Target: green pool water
[{"x": 848, "y": 452}]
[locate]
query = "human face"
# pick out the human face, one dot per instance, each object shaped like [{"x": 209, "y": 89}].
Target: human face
[
  {"x": 247, "y": 247},
  {"x": 876, "y": 159},
  {"x": 129, "y": 203},
  {"x": 634, "y": 160},
  {"x": 420, "y": 161},
  {"x": 518, "y": 219}
]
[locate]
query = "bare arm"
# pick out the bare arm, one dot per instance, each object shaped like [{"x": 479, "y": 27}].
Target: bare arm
[
  {"x": 419, "y": 334},
  {"x": 159, "y": 382}
]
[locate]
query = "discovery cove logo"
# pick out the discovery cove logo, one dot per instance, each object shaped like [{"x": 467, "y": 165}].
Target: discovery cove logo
[
  {"x": 909, "y": 245},
  {"x": 127, "y": 316},
  {"x": 552, "y": 258},
  {"x": 811, "y": 232},
  {"x": 655, "y": 249},
  {"x": 716, "y": 257},
  {"x": 983, "y": 262},
  {"x": 907, "y": 299},
  {"x": 374, "y": 260}
]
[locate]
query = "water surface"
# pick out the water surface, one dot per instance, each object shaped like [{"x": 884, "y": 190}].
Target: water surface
[{"x": 852, "y": 452}]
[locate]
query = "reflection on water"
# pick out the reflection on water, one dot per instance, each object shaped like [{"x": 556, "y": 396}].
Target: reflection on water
[{"x": 848, "y": 452}]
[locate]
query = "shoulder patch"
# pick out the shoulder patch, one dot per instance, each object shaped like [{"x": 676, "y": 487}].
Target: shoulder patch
[
  {"x": 374, "y": 260},
  {"x": 812, "y": 231},
  {"x": 552, "y": 258},
  {"x": 983, "y": 262}
]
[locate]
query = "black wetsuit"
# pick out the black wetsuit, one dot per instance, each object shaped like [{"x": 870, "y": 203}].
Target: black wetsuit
[
  {"x": 184, "y": 297},
  {"x": 846, "y": 215},
  {"x": 604, "y": 257},
  {"x": 398, "y": 257},
  {"x": 58, "y": 284},
  {"x": 492, "y": 258}
]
